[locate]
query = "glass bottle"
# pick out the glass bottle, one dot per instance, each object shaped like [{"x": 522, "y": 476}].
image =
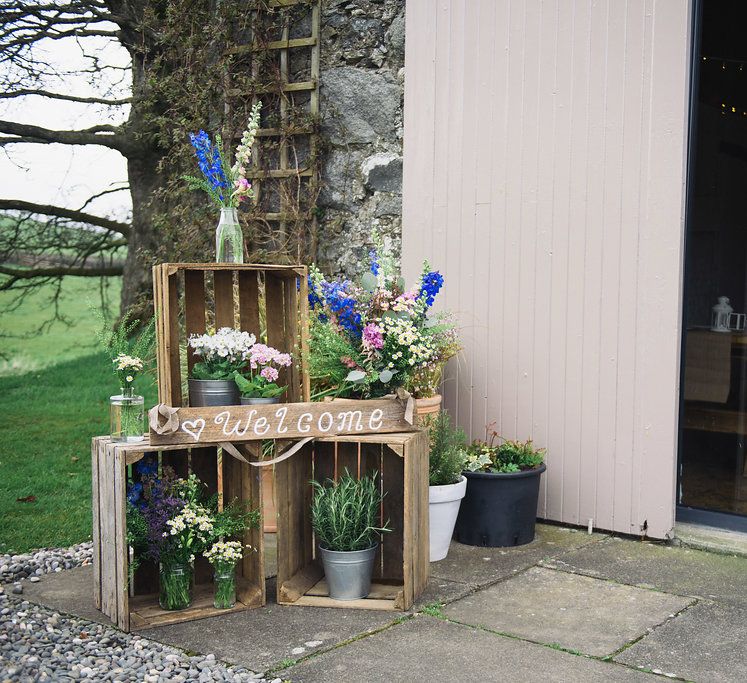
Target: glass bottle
[
  {"x": 225, "y": 588},
  {"x": 126, "y": 412},
  {"x": 229, "y": 240},
  {"x": 175, "y": 586}
]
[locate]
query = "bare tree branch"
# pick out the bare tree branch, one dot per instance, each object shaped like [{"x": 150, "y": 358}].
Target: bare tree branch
[
  {"x": 61, "y": 212},
  {"x": 104, "y": 135},
  {"x": 16, "y": 274},
  {"x": 60, "y": 96}
]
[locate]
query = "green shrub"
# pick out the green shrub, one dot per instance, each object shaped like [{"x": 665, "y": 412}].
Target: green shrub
[
  {"x": 502, "y": 458},
  {"x": 345, "y": 513},
  {"x": 446, "y": 460}
]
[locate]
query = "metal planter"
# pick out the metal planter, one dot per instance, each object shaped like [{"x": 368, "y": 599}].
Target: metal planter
[
  {"x": 251, "y": 401},
  {"x": 213, "y": 392},
  {"x": 349, "y": 573}
]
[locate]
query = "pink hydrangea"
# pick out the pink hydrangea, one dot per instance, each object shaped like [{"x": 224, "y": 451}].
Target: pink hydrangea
[
  {"x": 269, "y": 373},
  {"x": 283, "y": 360},
  {"x": 373, "y": 337}
]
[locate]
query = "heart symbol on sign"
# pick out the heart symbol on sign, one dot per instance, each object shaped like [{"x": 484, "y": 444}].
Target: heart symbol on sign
[{"x": 194, "y": 427}]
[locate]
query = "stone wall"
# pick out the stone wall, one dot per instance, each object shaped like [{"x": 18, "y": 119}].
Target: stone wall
[{"x": 362, "y": 88}]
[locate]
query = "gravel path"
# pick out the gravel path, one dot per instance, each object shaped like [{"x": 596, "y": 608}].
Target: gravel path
[
  {"x": 39, "y": 644},
  {"x": 14, "y": 568}
]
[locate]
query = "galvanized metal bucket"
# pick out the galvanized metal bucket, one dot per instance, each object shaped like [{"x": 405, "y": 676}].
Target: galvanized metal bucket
[
  {"x": 250, "y": 401},
  {"x": 348, "y": 574},
  {"x": 213, "y": 392}
]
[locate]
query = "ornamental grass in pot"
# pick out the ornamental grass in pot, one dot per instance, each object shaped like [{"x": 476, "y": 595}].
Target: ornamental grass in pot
[
  {"x": 345, "y": 518},
  {"x": 212, "y": 380},
  {"x": 500, "y": 505},
  {"x": 447, "y": 483}
]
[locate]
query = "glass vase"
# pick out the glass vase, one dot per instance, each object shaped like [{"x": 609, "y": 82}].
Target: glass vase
[
  {"x": 225, "y": 588},
  {"x": 229, "y": 240},
  {"x": 175, "y": 586},
  {"x": 126, "y": 413}
]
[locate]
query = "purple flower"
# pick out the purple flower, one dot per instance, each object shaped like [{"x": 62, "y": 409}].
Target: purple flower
[{"x": 373, "y": 337}]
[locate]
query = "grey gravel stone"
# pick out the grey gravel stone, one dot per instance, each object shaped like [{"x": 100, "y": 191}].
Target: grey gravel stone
[
  {"x": 38, "y": 644},
  {"x": 17, "y": 567}
]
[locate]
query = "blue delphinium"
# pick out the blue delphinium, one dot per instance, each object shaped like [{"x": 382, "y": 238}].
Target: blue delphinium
[
  {"x": 373, "y": 256},
  {"x": 209, "y": 161},
  {"x": 430, "y": 284},
  {"x": 342, "y": 305}
]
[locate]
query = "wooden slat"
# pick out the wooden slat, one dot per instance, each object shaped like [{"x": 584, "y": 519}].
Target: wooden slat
[
  {"x": 249, "y": 302},
  {"x": 194, "y": 308},
  {"x": 275, "y": 318},
  {"x": 274, "y": 45},
  {"x": 379, "y": 591},
  {"x": 223, "y": 290},
  {"x": 177, "y": 460},
  {"x": 108, "y": 574},
  {"x": 120, "y": 540},
  {"x": 303, "y": 306},
  {"x": 392, "y": 477},
  {"x": 96, "y": 443}
]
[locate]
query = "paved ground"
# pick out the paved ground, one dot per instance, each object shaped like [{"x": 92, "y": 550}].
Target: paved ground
[{"x": 567, "y": 607}]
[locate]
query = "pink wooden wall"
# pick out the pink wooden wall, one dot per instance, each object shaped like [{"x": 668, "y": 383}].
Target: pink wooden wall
[{"x": 545, "y": 145}]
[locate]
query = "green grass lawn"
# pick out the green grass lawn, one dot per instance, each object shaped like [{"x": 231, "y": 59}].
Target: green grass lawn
[{"x": 49, "y": 415}]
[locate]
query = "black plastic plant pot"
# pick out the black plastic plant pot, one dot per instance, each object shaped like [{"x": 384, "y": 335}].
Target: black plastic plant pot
[{"x": 499, "y": 510}]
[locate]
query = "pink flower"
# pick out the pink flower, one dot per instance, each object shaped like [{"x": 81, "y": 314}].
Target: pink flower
[
  {"x": 373, "y": 337},
  {"x": 348, "y": 362},
  {"x": 270, "y": 374},
  {"x": 283, "y": 360}
]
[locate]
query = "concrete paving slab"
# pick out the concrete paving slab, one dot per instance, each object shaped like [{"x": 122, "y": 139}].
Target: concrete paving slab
[
  {"x": 705, "y": 643},
  {"x": 480, "y": 566},
  {"x": 676, "y": 570},
  {"x": 441, "y": 591},
  {"x": 428, "y": 649},
  {"x": 70, "y": 591},
  {"x": 577, "y": 612},
  {"x": 709, "y": 538},
  {"x": 262, "y": 638}
]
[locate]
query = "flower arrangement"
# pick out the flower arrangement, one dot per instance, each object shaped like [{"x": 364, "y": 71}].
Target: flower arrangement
[
  {"x": 502, "y": 456},
  {"x": 227, "y": 185},
  {"x": 370, "y": 337},
  {"x": 224, "y": 555},
  {"x": 130, "y": 351},
  {"x": 170, "y": 522},
  {"x": 221, "y": 354},
  {"x": 259, "y": 380}
]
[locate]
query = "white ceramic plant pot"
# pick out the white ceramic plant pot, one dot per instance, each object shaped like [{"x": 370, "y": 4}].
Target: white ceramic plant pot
[{"x": 443, "y": 508}]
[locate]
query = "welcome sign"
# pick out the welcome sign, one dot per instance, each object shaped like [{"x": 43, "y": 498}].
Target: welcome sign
[{"x": 277, "y": 421}]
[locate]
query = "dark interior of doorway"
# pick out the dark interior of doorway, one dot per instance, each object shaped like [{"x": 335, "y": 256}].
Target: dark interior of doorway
[{"x": 713, "y": 437}]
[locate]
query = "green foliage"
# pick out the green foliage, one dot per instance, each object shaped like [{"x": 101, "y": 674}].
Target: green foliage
[
  {"x": 328, "y": 374},
  {"x": 214, "y": 369},
  {"x": 446, "y": 450},
  {"x": 502, "y": 458},
  {"x": 434, "y": 609},
  {"x": 345, "y": 513},
  {"x": 233, "y": 519},
  {"x": 257, "y": 387}
]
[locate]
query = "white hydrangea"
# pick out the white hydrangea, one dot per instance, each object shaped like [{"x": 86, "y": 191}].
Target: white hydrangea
[{"x": 226, "y": 343}]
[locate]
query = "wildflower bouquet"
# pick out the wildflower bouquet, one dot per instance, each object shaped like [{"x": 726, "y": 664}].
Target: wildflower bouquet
[
  {"x": 227, "y": 185},
  {"x": 170, "y": 522},
  {"x": 370, "y": 337},
  {"x": 224, "y": 555},
  {"x": 221, "y": 354},
  {"x": 128, "y": 350},
  {"x": 259, "y": 380}
]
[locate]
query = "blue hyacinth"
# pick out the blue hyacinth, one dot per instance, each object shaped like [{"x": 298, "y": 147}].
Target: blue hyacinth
[
  {"x": 208, "y": 159},
  {"x": 430, "y": 285}
]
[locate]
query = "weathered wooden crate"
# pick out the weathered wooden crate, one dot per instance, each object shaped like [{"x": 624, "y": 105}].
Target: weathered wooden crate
[
  {"x": 402, "y": 563},
  {"x": 111, "y": 471},
  {"x": 188, "y": 296}
]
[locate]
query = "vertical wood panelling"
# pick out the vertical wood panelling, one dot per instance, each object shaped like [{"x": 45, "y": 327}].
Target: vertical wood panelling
[{"x": 544, "y": 176}]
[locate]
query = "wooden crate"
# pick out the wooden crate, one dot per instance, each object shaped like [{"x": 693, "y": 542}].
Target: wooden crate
[
  {"x": 402, "y": 563},
  {"x": 111, "y": 471},
  {"x": 189, "y": 295}
]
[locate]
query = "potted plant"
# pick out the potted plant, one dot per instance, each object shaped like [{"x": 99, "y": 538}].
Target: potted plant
[
  {"x": 224, "y": 555},
  {"x": 212, "y": 380},
  {"x": 369, "y": 338},
  {"x": 258, "y": 383},
  {"x": 500, "y": 506},
  {"x": 447, "y": 484},
  {"x": 344, "y": 515}
]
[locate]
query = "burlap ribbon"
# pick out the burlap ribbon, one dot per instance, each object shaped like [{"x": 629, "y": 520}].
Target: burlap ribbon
[{"x": 171, "y": 423}]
